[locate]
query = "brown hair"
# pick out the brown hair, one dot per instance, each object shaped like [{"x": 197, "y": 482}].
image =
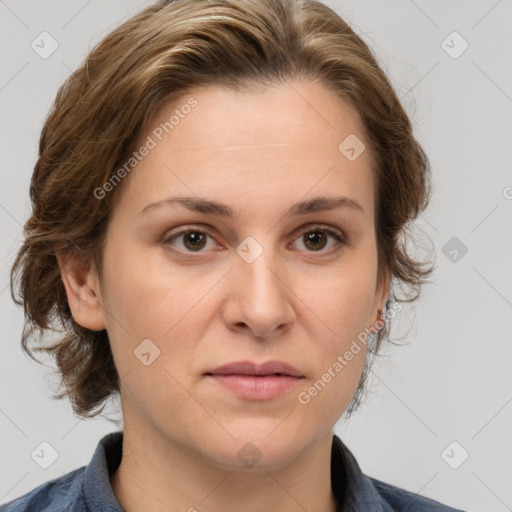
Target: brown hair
[{"x": 103, "y": 109}]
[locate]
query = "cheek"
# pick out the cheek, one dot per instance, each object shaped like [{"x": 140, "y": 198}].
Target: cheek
[
  {"x": 342, "y": 307},
  {"x": 156, "y": 302},
  {"x": 149, "y": 302},
  {"x": 148, "y": 294},
  {"x": 324, "y": 398},
  {"x": 343, "y": 301}
]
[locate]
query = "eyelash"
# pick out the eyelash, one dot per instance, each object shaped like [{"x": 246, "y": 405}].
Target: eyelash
[{"x": 340, "y": 239}]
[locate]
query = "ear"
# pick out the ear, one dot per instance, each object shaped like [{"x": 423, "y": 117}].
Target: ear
[
  {"x": 381, "y": 295},
  {"x": 81, "y": 282}
]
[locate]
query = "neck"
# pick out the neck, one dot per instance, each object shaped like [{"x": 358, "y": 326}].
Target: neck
[{"x": 156, "y": 475}]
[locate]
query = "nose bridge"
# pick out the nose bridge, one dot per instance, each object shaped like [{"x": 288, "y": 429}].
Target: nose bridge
[
  {"x": 258, "y": 267},
  {"x": 261, "y": 291}
]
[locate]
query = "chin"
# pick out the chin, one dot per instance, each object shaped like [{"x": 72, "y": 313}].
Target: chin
[{"x": 257, "y": 445}]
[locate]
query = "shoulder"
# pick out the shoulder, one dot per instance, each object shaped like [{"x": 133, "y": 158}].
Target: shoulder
[
  {"x": 360, "y": 492},
  {"x": 62, "y": 494},
  {"x": 401, "y": 500},
  {"x": 80, "y": 490}
]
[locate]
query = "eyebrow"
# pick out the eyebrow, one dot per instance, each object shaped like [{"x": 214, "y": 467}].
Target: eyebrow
[{"x": 317, "y": 204}]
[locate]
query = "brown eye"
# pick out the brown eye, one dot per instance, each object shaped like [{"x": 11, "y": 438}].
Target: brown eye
[
  {"x": 315, "y": 240},
  {"x": 193, "y": 240}
]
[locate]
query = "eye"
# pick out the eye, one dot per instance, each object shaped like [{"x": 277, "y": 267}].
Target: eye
[
  {"x": 315, "y": 238},
  {"x": 194, "y": 240}
]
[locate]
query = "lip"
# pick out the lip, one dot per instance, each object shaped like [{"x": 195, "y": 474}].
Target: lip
[
  {"x": 250, "y": 368},
  {"x": 256, "y": 382}
]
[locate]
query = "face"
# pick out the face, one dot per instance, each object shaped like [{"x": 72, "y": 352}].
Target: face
[{"x": 269, "y": 275}]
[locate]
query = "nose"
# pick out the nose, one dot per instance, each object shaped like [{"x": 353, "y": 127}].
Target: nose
[{"x": 260, "y": 298}]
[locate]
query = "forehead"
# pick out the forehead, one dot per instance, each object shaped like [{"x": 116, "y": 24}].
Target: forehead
[
  {"x": 282, "y": 142},
  {"x": 286, "y": 113}
]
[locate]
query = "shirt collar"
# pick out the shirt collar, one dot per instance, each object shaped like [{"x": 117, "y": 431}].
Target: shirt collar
[
  {"x": 97, "y": 489},
  {"x": 350, "y": 486}
]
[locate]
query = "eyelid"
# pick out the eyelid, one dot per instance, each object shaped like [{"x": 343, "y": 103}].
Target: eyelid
[
  {"x": 318, "y": 225},
  {"x": 189, "y": 228},
  {"x": 334, "y": 232}
]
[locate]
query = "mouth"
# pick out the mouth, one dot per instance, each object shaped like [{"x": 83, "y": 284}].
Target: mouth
[
  {"x": 257, "y": 370},
  {"x": 255, "y": 382}
]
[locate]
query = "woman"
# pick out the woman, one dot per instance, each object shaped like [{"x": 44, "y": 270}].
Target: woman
[{"x": 217, "y": 209}]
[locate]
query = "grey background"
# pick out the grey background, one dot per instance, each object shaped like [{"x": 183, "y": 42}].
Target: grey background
[{"x": 453, "y": 381}]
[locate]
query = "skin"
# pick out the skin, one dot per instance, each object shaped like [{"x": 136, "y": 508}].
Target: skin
[{"x": 258, "y": 153}]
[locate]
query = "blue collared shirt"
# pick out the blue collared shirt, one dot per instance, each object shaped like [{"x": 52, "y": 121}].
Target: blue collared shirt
[{"x": 88, "y": 489}]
